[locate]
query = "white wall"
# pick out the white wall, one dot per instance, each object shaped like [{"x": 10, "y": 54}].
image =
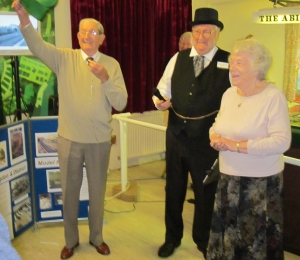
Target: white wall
[
  {"x": 236, "y": 15},
  {"x": 62, "y": 20}
]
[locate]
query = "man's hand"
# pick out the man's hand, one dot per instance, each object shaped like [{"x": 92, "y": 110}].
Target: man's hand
[
  {"x": 98, "y": 70},
  {"x": 22, "y": 13},
  {"x": 163, "y": 105}
]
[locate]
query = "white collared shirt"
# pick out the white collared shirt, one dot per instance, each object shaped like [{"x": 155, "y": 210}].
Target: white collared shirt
[
  {"x": 96, "y": 56},
  {"x": 208, "y": 56}
]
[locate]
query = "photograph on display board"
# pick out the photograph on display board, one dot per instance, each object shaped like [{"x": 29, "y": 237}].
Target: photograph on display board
[
  {"x": 45, "y": 201},
  {"x": 53, "y": 180},
  {"x": 16, "y": 143},
  {"x": 58, "y": 198},
  {"x": 19, "y": 187},
  {"x": 46, "y": 144},
  {"x": 3, "y": 155},
  {"x": 22, "y": 214}
]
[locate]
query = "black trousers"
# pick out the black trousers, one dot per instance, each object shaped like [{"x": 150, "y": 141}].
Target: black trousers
[{"x": 188, "y": 155}]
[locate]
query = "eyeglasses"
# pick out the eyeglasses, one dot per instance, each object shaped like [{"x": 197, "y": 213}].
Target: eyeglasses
[
  {"x": 89, "y": 33},
  {"x": 205, "y": 33}
]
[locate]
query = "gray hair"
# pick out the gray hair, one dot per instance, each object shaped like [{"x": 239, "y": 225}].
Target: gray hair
[
  {"x": 99, "y": 25},
  {"x": 184, "y": 35},
  {"x": 261, "y": 56}
]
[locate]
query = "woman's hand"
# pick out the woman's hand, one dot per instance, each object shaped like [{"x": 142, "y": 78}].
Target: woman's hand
[
  {"x": 218, "y": 143},
  {"x": 224, "y": 144}
]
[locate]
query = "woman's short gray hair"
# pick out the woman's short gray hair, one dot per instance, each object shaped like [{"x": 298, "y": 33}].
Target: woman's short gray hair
[
  {"x": 261, "y": 56},
  {"x": 99, "y": 25}
]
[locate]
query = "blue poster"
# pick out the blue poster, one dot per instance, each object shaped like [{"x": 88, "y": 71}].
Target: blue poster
[
  {"x": 15, "y": 177},
  {"x": 47, "y": 178}
]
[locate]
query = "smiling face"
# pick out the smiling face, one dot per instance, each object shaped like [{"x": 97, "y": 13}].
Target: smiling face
[
  {"x": 241, "y": 69},
  {"x": 89, "y": 38},
  {"x": 205, "y": 37}
]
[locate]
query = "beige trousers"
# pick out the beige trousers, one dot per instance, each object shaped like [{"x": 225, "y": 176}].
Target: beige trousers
[{"x": 72, "y": 156}]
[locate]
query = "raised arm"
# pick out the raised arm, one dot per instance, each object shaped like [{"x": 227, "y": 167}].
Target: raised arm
[{"x": 22, "y": 13}]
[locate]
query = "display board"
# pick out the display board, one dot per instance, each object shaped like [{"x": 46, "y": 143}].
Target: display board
[
  {"x": 47, "y": 179},
  {"x": 15, "y": 177}
]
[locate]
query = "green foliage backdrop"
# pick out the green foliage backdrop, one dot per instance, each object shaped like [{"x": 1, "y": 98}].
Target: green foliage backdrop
[{"x": 37, "y": 81}]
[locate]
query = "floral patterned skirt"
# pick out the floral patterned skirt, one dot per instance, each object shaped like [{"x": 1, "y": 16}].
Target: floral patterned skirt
[{"x": 248, "y": 219}]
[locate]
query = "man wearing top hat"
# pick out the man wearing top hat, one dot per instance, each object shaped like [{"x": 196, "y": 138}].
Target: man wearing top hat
[{"x": 193, "y": 99}]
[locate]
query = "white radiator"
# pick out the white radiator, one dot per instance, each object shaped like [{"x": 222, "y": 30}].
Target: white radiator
[
  {"x": 143, "y": 144},
  {"x": 144, "y": 141}
]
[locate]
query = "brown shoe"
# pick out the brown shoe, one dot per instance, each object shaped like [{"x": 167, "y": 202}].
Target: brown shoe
[
  {"x": 67, "y": 252},
  {"x": 102, "y": 249}
]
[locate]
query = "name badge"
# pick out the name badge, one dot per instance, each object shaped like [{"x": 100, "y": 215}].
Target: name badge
[{"x": 223, "y": 65}]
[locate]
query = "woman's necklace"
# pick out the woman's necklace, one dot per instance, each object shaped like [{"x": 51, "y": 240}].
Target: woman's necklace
[
  {"x": 241, "y": 101},
  {"x": 257, "y": 88}
]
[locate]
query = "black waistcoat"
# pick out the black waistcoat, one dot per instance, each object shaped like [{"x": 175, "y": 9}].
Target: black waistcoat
[{"x": 197, "y": 96}]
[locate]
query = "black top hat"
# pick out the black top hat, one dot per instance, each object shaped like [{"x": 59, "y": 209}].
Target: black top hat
[{"x": 207, "y": 16}]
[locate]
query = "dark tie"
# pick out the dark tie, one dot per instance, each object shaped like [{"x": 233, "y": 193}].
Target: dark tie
[
  {"x": 198, "y": 65},
  {"x": 88, "y": 59}
]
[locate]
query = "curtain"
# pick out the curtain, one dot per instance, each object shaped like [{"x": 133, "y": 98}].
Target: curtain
[
  {"x": 292, "y": 61},
  {"x": 141, "y": 35},
  {"x": 291, "y": 64}
]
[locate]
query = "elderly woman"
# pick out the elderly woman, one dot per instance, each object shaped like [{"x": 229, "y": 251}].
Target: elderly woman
[{"x": 251, "y": 131}]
